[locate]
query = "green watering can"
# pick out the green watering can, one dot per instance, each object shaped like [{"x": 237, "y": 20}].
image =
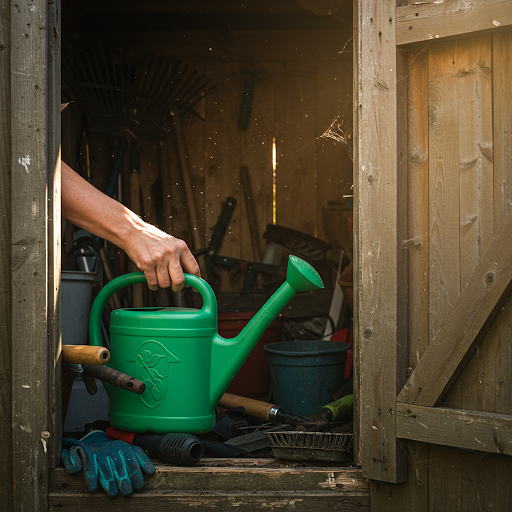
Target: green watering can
[{"x": 179, "y": 355}]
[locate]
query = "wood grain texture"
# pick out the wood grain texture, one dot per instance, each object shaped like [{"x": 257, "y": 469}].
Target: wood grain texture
[
  {"x": 472, "y": 314},
  {"x": 233, "y": 478},
  {"x": 256, "y": 154},
  {"x": 377, "y": 266},
  {"x": 476, "y": 232},
  {"x": 222, "y": 161},
  {"x": 501, "y": 330},
  {"x": 31, "y": 295},
  {"x": 295, "y": 129},
  {"x": 6, "y": 475},
  {"x": 502, "y": 99},
  {"x": 444, "y": 274},
  {"x": 412, "y": 84},
  {"x": 472, "y": 430},
  {"x": 296, "y": 501},
  {"x": 434, "y": 20}
]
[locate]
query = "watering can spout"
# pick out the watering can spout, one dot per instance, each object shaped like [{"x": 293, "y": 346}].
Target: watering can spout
[{"x": 228, "y": 356}]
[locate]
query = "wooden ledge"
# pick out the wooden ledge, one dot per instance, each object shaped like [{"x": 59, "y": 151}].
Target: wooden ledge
[{"x": 222, "y": 484}]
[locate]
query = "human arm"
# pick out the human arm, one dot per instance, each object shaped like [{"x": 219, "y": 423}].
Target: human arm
[{"x": 162, "y": 257}]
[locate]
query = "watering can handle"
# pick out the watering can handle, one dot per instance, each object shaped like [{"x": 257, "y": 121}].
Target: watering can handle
[{"x": 209, "y": 304}]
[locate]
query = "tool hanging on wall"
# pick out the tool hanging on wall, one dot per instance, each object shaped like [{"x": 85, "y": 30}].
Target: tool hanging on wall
[
  {"x": 120, "y": 91},
  {"x": 210, "y": 252}
]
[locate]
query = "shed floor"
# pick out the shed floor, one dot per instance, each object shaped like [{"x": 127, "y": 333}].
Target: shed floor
[{"x": 225, "y": 484}]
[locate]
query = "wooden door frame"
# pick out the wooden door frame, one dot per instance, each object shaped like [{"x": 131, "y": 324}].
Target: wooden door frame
[
  {"x": 390, "y": 405},
  {"x": 30, "y": 162}
]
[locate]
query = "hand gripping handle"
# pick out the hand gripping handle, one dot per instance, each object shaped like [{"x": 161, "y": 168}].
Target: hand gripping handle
[{"x": 209, "y": 304}]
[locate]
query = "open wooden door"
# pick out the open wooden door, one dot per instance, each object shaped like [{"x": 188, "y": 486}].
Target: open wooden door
[{"x": 433, "y": 175}]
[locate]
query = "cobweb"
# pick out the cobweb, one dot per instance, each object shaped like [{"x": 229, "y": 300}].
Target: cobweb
[{"x": 336, "y": 131}]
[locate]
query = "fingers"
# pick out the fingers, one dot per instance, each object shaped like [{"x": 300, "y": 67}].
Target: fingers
[
  {"x": 144, "y": 461},
  {"x": 162, "y": 257}
]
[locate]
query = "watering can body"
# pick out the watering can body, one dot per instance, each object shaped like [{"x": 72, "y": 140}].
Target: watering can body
[{"x": 179, "y": 355}]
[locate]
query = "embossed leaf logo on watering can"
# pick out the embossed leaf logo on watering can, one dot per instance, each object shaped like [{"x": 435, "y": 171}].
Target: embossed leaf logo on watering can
[{"x": 152, "y": 363}]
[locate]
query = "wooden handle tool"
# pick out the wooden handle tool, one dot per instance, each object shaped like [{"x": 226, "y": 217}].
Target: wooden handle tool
[
  {"x": 263, "y": 410},
  {"x": 115, "y": 378},
  {"x": 85, "y": 354}
]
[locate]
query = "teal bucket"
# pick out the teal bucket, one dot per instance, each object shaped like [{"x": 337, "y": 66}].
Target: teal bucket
[{"x": 302, "y": 372}]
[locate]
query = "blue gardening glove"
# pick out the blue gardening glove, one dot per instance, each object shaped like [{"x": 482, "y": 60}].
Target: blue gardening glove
[{"x": 116, "y": 464}]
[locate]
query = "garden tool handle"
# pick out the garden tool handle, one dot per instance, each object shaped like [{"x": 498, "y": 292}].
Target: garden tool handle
[
  {"x": 114, "y": 377},
  {"x": 263, "y": 410},
  {"x": 209, "y": 301},
  {"x": 85, "y": 354},
  {"x": 256, "y": 408}
]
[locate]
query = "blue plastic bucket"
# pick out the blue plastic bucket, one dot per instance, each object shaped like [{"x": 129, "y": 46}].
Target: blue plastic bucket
[{"x": 302, "y": 371}]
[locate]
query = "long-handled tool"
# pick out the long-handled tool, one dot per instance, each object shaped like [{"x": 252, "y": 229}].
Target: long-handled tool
[
  {"x": 85, "y": 354},
  {"x": 90, "y": 360},
  {"x": 264, "y": 410}
]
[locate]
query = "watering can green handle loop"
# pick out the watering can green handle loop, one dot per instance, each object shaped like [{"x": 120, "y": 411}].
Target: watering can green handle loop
[{"x": 209, "y": 303}]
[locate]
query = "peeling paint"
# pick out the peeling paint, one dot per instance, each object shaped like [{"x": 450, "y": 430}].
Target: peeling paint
[{"x": 24, "y": 161}]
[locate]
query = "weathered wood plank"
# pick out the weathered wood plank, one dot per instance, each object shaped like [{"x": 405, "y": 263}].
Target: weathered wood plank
[
  {"x": 231, "y": 479},
  {"x": 471, "y": 430},
  {"x": 222, "y": 160},
  {"x": 298, "y": 501},
  {"x": 434, "y": 20},
  {"x": 377, "y": 266},
  {"x": 6, "y": 476},
  {"x": 502, "y": 94},
  {"x": 501, "y": 331},
  {"x": 295, "y": 128},
  {"x": 256, "y": 154},
  {"x": 31, "y": 295},
  {"x": 472, "y": 313},
  {"x": 476, "y": 231},
  {"x": 444, "y": 274},
  {"x": 412, "y": 84}
]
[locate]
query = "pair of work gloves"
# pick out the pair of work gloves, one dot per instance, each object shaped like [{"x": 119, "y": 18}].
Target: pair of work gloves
[{"x": 116, "y": 465}]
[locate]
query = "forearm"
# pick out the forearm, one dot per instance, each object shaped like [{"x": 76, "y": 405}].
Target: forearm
[
  {"x": 86, "y": 207},
  {"x": 161, "y": 256}
]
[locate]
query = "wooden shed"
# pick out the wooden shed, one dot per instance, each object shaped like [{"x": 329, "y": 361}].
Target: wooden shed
[{"x": 403, "y": 104}]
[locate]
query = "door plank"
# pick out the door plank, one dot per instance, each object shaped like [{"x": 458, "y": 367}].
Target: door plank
[
  {"x": 471, "y": 430},
  {"x": 443, "y": 213},
  {"x": 6, "y": 481},
  {"x": 502, "y": 327},
  {"x": 377, "y": 267},
  {"x": 476, "y": 232},
  {"x": 31, "y": 223},
  {"x": 435, "y": 20}
]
